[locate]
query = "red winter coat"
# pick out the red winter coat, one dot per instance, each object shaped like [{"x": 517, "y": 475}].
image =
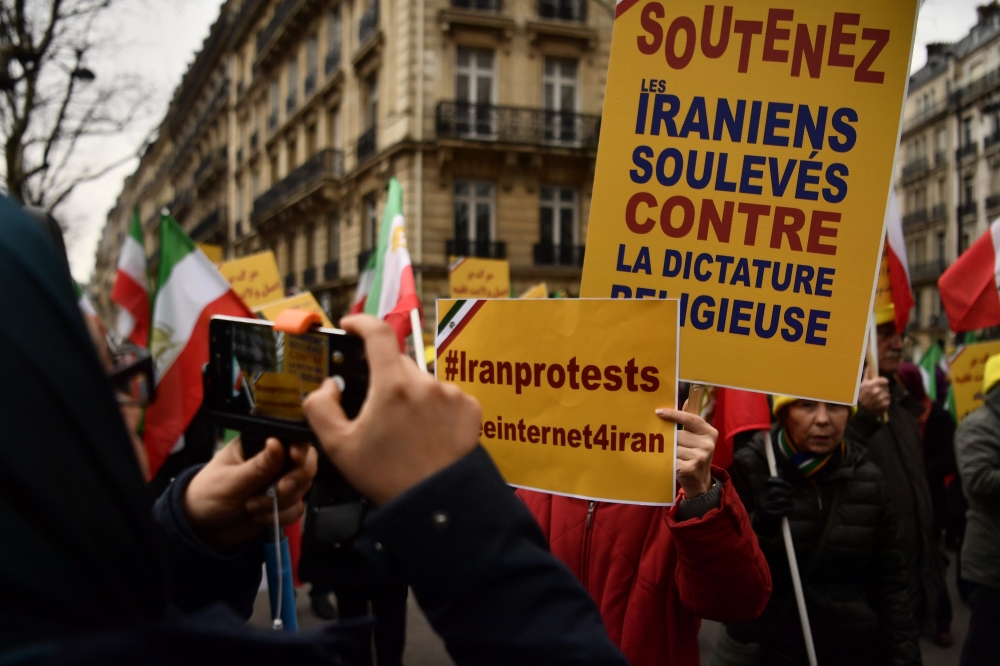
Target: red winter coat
[{"x": 652, "y": 577}]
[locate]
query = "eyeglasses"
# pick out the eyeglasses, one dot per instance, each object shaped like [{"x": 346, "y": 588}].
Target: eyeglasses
[{"x": 133, "y": 377}]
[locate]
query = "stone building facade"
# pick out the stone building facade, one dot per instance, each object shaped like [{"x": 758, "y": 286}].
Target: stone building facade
[
  {"x": 948, "y": 167},
  {"x": 289, "y": 124}
]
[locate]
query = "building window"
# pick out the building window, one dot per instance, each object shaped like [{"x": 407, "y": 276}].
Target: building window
[
  {"x": 369, "y": 228},
  {"x": 967, "y": 131},
  {"x": 239, "y": 209},
  {"x": 272, "y": 120},
  {"x": 557, "y": 216},
  {"x": 474, "y": 211},
  {"x": 312, "y": 64},
  {"x": 255, "y": 184},
  {"x": 560, "y": 93},
  {"x": 333, "y": 237},
  {"x": 475, "y": 79},
  {"x": 567, "y": 10},
  {"x": 371, "y": 106},
  {"x": 311, "y": 245},
  {"x": 334, "y": 133},
  {"x": 289, "y": 260},
  {"x": 310, "y": 140},
  {"x": 274, "y": 170},
  {"x": 293, "y": 84},
  {"x": 293, "y": 154},
  {"x": 334, "y": 36},
  {"x": 941, "y": 254},
  {"x": 968, "y": 189}
]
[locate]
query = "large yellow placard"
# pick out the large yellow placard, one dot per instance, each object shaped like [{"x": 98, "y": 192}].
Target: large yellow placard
[
  {"x": 967, "y": 369},
  {"x": 744, "y": 167},
  {"x": 568, "y": 390},
  {"x": 254, "y": 278},
  {"x": 470, "y": 277}
]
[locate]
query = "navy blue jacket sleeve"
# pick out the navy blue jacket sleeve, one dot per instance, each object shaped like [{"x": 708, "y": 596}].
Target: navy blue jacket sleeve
[
  {"x": 199, "y": 575},
  {"x": 483, "y": 573}
]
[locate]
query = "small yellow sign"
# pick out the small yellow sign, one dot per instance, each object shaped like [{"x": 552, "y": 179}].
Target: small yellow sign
[
  {"x": 303, "y": 301},
  {"x": 568, "y": 390},
  {"x": 278, "y": 395},
  {"x": 254, "y": 278},
  {"x": 967, "y": 368},
  {"x": 479, "y": 278},
  {"x": 538, "y": 291},
  {"x": 744, "y": 167},
  {"x": 213, "y": 252}
]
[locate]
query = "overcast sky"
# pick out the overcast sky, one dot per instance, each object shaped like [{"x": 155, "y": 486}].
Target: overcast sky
[{"x": 157, "y": 39}]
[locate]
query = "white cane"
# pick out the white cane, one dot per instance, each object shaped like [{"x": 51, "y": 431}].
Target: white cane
[{"x": 793, "y": 563}]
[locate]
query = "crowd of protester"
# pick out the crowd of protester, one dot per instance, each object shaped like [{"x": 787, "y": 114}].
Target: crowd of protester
[{"x": 99, "y": 566}]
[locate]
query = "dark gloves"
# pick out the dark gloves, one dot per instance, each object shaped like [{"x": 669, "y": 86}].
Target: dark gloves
[{"x": 774, "y": 504}]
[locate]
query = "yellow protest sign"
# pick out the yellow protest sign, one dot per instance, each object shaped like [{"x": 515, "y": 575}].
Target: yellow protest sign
[
  {"x": 278, "y": 395},
  {"x": 213, "y": 252},
  {"x": 471, "y": 277},
  {"x": 254, "y": 278},
  {"x": 538, "y": 291},
  {"x": 303, "y": 301},
  {"x": 744, "y": 168},
  {"x": 967, "y": 368},
  {"x": 568, "y": 390}
]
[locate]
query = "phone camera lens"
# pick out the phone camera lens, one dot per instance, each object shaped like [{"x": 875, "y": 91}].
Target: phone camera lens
[{"x": 338, "y": 357}]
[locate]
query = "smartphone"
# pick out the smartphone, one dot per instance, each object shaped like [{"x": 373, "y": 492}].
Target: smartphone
[{"x": 257, "y": 377}]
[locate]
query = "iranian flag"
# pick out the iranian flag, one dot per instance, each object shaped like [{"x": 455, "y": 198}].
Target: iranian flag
[
  {"x": 393, "y": 292},
  {"x": 969, "y": 286},
  {"x": 191, "y": 291},
  {"x": 899, "y": 271},
  {"x": 131, "y": 289}
]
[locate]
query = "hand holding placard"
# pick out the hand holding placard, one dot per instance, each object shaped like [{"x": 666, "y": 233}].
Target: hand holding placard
[{"x": 695, "y": 448}]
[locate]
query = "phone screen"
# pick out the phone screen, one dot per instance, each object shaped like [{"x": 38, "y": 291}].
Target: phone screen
[{"x": 259, "y": 373}]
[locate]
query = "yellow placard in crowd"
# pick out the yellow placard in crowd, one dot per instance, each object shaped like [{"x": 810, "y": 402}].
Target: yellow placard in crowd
[
  {"x": 967, "y": 368},
  {"x": 212, "y": 251},
  {"x": 538, "y": 291},
  {"x": 568, "y": 390},
  {"x": 471, "y": 277},
  {"x": 744, "y": 168},
  {"x": 303, "y": 301},
  {"x": 254, "y": 278}
]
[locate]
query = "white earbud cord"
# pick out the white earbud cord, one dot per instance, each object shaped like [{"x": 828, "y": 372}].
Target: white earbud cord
[{"x": 276, "y": 622}]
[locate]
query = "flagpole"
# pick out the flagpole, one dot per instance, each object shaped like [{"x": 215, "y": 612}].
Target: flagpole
[
  {"x": 418, "y": 339},
  {"x": 871, "y": 352},
  {"x": 793, "y": 563}
]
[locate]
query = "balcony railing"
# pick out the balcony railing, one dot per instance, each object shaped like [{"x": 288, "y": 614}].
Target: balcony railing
[
  {"x": 367, "y": 145},
  {"x": 281, "y": 13},
  {"x": 324, "y": 164},
  {"x": 484, "y": 5},
  {"x": 977, "y": 87},
  {"x": 368, "y": 24},
  {"x": 332, "y": 59},
  {"x": 331, "y": 270},
  {"x": 968, "y": 150},
  {"x": 506, "y": 124},
  {"x": 938, "y": 212},
  {"x": 309, "y": 276},
  {"x": 927, "y": 271},
  {"x": 993, "y": 202},
  {"x": 916, "y": 167},
  {"x": 916, "y": 217},
  {"x": 463, "y": 247},
  {"x": 567, "y": 10},
  {"x": 210, "y": 163},
  {"x": 968, "y": 208},
  {"x": 363, "y": 260},
  {"x": 208, "y": 225},
  {"x": 548, "y": 254}
]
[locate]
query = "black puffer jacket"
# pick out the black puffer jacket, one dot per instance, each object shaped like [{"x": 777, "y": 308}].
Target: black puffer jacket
[{"x": 856, "y": 592}]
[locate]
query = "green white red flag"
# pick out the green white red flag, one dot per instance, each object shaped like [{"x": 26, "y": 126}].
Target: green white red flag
[
  {"x": 131, "y": 289},
  {"x": 190, "y": 292},
  {"x": 388, "y": 291}
]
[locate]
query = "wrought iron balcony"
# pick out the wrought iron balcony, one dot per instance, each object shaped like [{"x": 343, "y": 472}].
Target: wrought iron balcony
[
  {"x": 566, "y": 10},
  {"x": 331, "y": 270},
  {"x": 549, "y": 254},
  {"x": 483, "y": 5},
  {"x": 309, "y": 276},
  {"x": 208, "y": 225},
  {"x": 368, "y": 25},
  {"x": 968, "y": 150},
  {"x": 363, "y": 260},
  {"x": 326, "y": 164},
  {"x": 938, "y": 212},
  {"x": 507, "y": 124},
  {"x": 916, "y": 217},
  {"x": 968, "y": 208},
  {"x": 915, "y": 168},
  {"x": 463, "y": 247},
  {"x": 927, "y": 271},
  {"x": 281, "y": 13},
  {"x": 993, "y": 202},
  {"x": 367, "y": 145},
  {"x": 332, "y": 62}
]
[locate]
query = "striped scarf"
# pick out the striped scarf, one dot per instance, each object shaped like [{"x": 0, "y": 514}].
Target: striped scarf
[{"x": 813, "y": 466}]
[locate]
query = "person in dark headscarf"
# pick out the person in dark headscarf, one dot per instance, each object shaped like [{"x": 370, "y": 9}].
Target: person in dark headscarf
[{"x": 92, "y": 572}]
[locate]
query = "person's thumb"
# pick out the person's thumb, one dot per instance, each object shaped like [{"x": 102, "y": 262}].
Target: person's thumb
[
  {"x": 263, "y": 468},
  {"x": 323, "y": 411}
]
